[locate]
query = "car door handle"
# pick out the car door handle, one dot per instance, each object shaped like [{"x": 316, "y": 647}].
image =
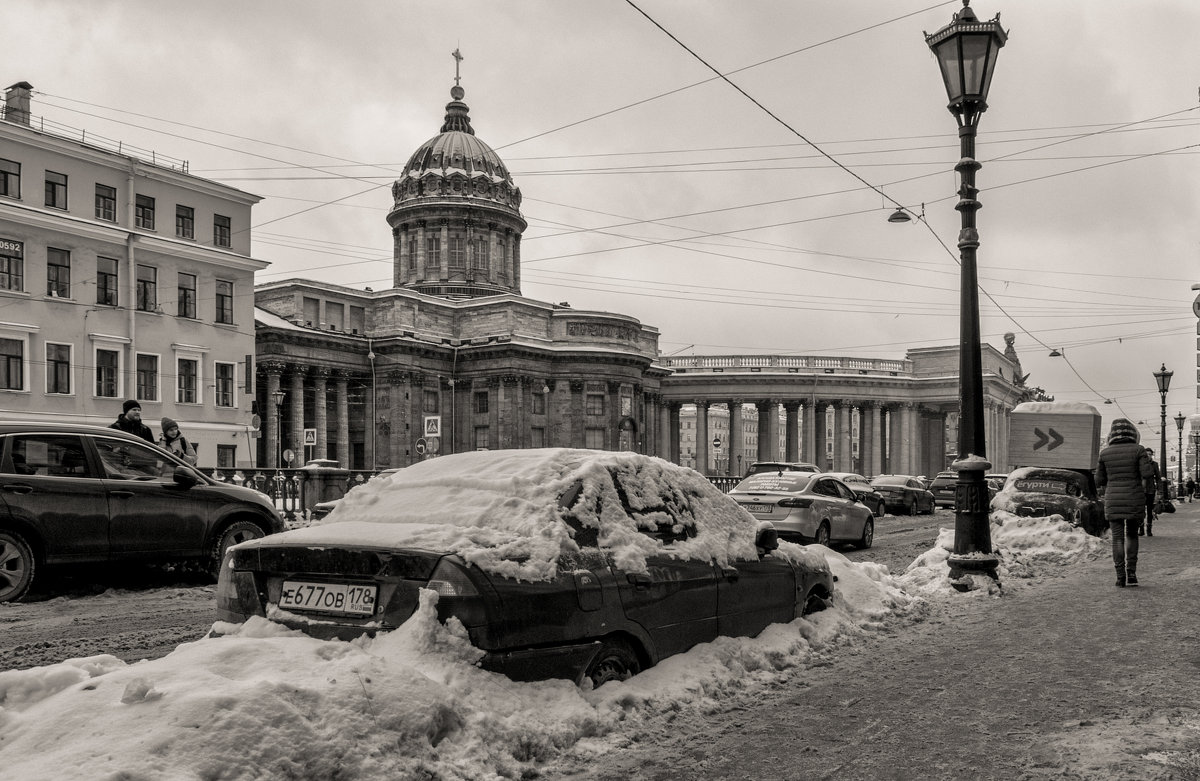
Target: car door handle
[
  {"x": 640, "y": 580},
  {"x": 730, "y": 573},
  {"x": 122, "y": 494},
  {"x": 18, "y": 488}
]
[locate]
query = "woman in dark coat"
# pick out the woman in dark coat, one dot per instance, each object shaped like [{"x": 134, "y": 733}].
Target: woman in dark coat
[{"x": 1121, "y": 477}]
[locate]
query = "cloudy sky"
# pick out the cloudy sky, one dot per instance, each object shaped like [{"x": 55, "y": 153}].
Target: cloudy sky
[{"x": 730, "y": 220}]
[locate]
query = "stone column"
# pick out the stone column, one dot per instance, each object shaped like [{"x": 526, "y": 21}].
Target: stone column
[
  {"x": 671, "y": 431},
  {"x": 841, "y": 433},
  {"x": 810, "y": 433},
  {"x": 444, "y": 251},
  {"x": 295, "y": 405},
  {"x": 576, "y": 414},
  {"x": 272, "y": 419},
  {"x": 400, "y": 438},
  {"x": 320, "y": 378},
  {"x": 874, "y": 460},
  {"x": 340, "y": 381},
  {"x": 702, "y": 443},
  {"x": 421, "y": 250},
  {"x": 791, "y": 431},
  {"x": 737, "y": 439}
]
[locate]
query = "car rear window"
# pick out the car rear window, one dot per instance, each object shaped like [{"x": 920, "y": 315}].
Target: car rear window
[
  {"x": 890, "y": 480},
  {"x": 776, "y": 481}
]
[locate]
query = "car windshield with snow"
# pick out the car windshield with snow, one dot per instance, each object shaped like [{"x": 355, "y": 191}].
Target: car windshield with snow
[{"x": 583, "y": 564}]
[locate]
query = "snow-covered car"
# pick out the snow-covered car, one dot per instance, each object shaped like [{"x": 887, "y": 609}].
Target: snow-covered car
[
  {"x": 1035, "y": 492},
  {"x": 807, "y": 506},
  {"x": 904, "y": 494},
  {"x": 321, "y": 509},
  {"x": 863, "y": 489},
  {"x": 581, "y": 564}
]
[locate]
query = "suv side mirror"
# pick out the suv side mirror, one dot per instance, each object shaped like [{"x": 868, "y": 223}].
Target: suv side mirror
[
  {"x": 767, "y": 539},
  {"x": 185, "y": 477}
]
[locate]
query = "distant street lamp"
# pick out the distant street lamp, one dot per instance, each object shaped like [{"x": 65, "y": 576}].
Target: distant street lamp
[
  {"x": 966, "y": 51},
  {"x": 278, "y": 397},
  {"x": 1179, "y": 419},
  {"x": 1163, "y": 378},
  {"x": 1196, "y": 456}
]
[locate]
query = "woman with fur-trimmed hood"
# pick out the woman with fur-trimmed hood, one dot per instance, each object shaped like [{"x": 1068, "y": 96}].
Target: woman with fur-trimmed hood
[{"x": 1121, "y": 476}]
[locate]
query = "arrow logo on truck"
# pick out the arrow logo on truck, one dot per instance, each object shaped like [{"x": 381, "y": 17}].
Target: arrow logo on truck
[{"x": 1043, "y": 438}]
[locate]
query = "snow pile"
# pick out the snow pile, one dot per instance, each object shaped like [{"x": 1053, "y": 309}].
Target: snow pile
[{"x": 268, "y": 703}]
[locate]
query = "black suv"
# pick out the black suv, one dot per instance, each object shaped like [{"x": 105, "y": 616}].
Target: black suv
[
  {"x": 80, "y": 494},
  {"x": 942, "y": 488}
]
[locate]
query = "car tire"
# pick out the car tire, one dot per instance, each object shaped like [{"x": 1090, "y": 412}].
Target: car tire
[
  {"x": 615, "y": 661},
  {"x": 880, "y": 509},
  {"x": 238, "y": 531},
  {"x": 813, "y": 603},
  {"x": 822, "y": 536},
  {"x": 17, "y": 566},
  {"x": 868, "y": 534}
]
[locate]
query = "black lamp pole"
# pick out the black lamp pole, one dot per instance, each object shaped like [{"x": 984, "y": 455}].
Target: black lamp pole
[
  {"x": 278, "y": 398},
  {"x": 966, "y": 52},
  {"x": 1163, "y": 379},
  {"x": 1196, "y": 456},
  {"x": 1179, "y": 419}
]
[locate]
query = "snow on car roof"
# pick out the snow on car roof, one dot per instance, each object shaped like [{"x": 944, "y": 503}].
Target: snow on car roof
[{"x": 500, "y": 510}]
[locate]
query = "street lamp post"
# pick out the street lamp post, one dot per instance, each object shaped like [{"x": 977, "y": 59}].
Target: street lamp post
[
  {"x": 966, "y": 51},
  {"x": 1179, "y": 419},
  {"x": 1196, "y": 456},
  {"x": 1163, "y": 378},
  {"x": 278, "y": 397}
]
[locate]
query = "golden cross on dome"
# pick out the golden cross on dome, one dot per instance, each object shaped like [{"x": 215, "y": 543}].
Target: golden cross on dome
[{"x": 458, "y": 58}]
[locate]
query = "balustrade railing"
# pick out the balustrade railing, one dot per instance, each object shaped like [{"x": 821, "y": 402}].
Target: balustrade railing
[{"x": 293, "y": 491}]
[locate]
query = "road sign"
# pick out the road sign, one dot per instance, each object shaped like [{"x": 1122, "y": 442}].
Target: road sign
[
  {"x": 420, "y": 448},
  {"x": 288, "y": 456},
  {"x": 435, "y": 444},
  {"x": 433, "y": 425},
  {"x": 1196, "y": 306},
  {"x": 1066, "y": 440},
  {"x": 716, "y": 443},
  {"x": 310, "y": 436}
]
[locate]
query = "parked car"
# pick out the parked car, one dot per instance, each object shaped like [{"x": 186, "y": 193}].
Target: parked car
[
  {"x": 321, "y": 509},
  {"x": 942, "y": 487},
  {"x": 781, "y": 466},
  {"x": 861, "y": 487},
  {"x": 1038, "y": 492},
  {"x": 583, "y": 564},
  {"x": 807, "y": 506},
  {"x": 84, "y": 494},
  {"x": 904, "y": 494}
]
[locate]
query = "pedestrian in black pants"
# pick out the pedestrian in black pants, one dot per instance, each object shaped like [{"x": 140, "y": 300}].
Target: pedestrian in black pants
[
  {"x": 1151, "y": 487},
  {"x": 1123, "y": 470}
]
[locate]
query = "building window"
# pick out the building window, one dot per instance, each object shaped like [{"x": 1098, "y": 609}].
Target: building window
[
  {"x": 107, "y": 370},
  {"x": 58, "y": 272},
  {"x": 185, "y": 222},
  {"x": 593, "y": 438},
  {"x": 147, "y": 377},
  {"x": 481, "y": 437},
  {"x": 224, "y": 372},
  {"x": 539, "y": 404},
  {"x": 222, "y": 231},
  {"x": 226, "y": 456},
  {"x": 106, "y": 281},
  {"x": 458, "y": 252},
  {"x": 147, "y": 288},
  {"x": 537, "y": 437},
  {"x": 412, "y": 253},
  {"x": 481, "y": 402},
  {"x": 58, "y": 368},
  {"x": 106, "y": 203},
  {"x": 479, "y": 254},
  {"x": 10, "y": 178},
  {"x": 56, "y": 190},
  {"x": 143, "y": 212},
  {"x": 429, "y": 402},
  {"x": 188, "y": 381},
  {"x": 12, "y": 265},
  {"x": 594, "y": 404},
  {"x": 502, "y": 271},
  {"x": 224, "y": 313},
  {"x": 12, "y": 364},
  {"x": 187, "y": 296},
  {"x": 433, "y": 253}
]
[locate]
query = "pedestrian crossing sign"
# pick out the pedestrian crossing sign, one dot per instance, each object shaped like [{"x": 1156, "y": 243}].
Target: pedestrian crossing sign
[{"x": 433, "y": 425}]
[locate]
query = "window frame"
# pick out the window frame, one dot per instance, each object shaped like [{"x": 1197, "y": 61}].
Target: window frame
[
  {"x": 106, "y": 205},
  {"x": 108, "y": 291},
  {"x": 114, "y": 381},
  {"x": 56, "y": 191},
  {"x": 223, "y": 313},
  {"x": 433, "y": 253},
  {"x": 457, "y": 257},
  {"x": 185, "y": 222},
  {"x": 185, "y": 301},
  {"x": 197, "y": 384},
  {"x": 146, "y": 381},
  {"x": 222, "y": 231},
  {"x": 431, "y": 402},
  {"x": 10, "y": 261},
  {"x": 20, "y": 338},
  {"x": 593, "y": 404},
  {"x": 10, "y": 181},
  {"x": 58, "y": 283},
  {"x": 146, "y": 290},
  {"x": 58, "y": 371},
  {"x": 480, "y": 402},
  {"x": 143, "y": 212},
  {"x": 225, "y": 387}
]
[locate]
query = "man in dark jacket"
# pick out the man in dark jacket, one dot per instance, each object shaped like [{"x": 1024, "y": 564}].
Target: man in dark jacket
[
  {"x": 130, "y": 421},
  {"x": 1121, "y": 476},
  {"x": 1151, "y": 488}
]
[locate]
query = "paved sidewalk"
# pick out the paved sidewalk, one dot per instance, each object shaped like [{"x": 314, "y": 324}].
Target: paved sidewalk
[{"x": 1064, "y": 677}]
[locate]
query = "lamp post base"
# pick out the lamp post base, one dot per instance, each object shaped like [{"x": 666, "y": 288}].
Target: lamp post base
[{"x": 972, "y": 564}]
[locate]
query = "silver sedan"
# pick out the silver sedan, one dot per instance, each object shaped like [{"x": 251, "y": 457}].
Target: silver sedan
[{"x": 806, "y": 506}]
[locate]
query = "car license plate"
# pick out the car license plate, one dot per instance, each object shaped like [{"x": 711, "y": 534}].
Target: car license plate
[
  {"x": 342, "y": 598},
  {"x": 758, "y": 508}
]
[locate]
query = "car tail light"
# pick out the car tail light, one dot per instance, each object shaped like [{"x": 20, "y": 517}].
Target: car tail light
[
  {"x": 796, "y": 502},
  {"x": 449, "y": 580}
]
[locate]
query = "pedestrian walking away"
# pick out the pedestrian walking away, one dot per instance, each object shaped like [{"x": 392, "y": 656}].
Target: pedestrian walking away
[
  {"x": 1151, "y": 488},
  {"x": 130, "y": 421},
  {"x": 1123, "y": 473},
  {"x": 174, "y": 441},
  {"x": 1190, "y": 487}
]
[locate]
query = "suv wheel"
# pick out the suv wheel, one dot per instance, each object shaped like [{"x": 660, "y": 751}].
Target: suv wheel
[
  {"x": 17, "y": 566},
  {"x": 238, "y": 531},
  {"x": 822, "y": 537},
  {"x": 615, "y": 661}
]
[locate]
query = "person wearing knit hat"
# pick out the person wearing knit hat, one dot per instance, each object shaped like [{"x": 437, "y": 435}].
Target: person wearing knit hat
[
  {"x": 130, "y": 421},
  {"x": 173, "y": 441},
  {"x": 1122, "y": 472},
  {"x": 1151, "y": 489}
]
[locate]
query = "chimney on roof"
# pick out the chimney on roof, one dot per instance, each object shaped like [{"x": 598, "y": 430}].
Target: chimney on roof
[{"x": 16, "y": 102}]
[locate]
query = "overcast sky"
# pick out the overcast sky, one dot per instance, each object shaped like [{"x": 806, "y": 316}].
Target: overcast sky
[{"x": 654, "y": 189}]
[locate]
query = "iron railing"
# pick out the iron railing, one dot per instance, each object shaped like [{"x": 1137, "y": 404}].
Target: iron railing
[{"x": 293, "y": 491}]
